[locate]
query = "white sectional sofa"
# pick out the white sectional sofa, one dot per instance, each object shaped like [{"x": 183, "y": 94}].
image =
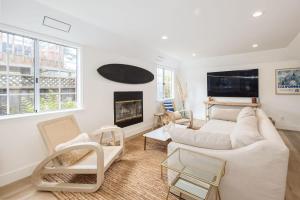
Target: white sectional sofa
[{"x": 257, "y": 171}]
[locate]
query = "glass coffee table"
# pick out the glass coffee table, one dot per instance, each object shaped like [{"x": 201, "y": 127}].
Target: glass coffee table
[{"x": 193, "y": 175}]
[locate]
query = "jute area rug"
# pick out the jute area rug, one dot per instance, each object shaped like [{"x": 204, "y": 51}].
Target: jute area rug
[{"x": 136, "y": 176}]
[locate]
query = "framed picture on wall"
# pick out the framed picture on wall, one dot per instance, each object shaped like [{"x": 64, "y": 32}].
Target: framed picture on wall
[{"x": 288, "y": 81}]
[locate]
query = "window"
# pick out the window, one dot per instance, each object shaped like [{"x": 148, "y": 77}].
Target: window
[
  {"x": 165, "y": 83},
  {"x": 36, "y": 76}
]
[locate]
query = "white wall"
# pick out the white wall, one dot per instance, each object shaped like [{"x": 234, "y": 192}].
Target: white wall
[
  {"x": 284, "y": 109},
  {"x": 294, "y": 48},
  {"x": 21, "y": 146}
]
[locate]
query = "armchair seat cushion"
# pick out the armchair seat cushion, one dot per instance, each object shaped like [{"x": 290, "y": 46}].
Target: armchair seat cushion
[{"x": 110, "y": 154}]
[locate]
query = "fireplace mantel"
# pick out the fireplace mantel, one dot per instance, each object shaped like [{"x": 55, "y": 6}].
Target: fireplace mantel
[{"x": 128, "y": 108}]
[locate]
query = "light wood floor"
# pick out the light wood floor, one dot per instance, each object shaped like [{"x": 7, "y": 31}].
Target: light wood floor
[
  {"x": 23, "y": 190},
  {"x": 292, "y": 140}
]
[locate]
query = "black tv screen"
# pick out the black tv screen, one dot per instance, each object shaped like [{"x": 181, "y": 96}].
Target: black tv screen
[{"x": 240, "y": 83}]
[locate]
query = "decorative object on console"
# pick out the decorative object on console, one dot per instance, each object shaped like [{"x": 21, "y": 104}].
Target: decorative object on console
[
  {"x": 288, "y": 81},
  {"x": 128, "y": 108},
  {"x": 254, "y": 100},
  {"x": 125, "y": 73}
]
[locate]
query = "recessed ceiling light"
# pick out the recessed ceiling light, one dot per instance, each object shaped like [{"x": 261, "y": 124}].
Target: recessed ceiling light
[
  {"x": 257, "y": 13},
  {"x": 164, "y": 37},
  {"x": 194, "y": 54},
  {"x": 254, "y": 45},
  {"x": 197, "y": 11}
]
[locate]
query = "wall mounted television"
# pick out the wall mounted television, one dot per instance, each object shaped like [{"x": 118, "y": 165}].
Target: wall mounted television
[{"x": 239, "y": 83}]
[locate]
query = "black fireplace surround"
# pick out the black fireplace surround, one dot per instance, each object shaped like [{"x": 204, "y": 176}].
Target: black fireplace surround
[{"x": 128, "y": 108}]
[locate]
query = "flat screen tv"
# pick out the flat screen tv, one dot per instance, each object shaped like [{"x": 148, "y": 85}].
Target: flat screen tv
[{"x": 240, "y": 83}]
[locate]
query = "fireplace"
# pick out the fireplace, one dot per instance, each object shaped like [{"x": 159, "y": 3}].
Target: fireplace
[{"x": 128, "y": 108}]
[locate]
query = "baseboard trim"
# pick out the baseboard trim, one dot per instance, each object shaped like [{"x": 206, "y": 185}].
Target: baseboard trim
[
  {"x": 288, "y": 127},
  {"x": 137, "y": 135},
  {"x": 26, "y": 171},
  {"x": 137, "y": 130},
  {"x": 17, "y": 174}
]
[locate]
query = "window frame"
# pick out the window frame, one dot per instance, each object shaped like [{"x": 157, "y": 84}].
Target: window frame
[
  {"x": 36, "y": 66},
  {"x": 164, "y": 68}
]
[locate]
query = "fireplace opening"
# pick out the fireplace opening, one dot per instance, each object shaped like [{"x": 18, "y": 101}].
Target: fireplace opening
[{"x": 128, "y": 108}]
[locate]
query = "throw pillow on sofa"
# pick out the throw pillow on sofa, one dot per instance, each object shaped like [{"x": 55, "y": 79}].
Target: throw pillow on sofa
[
  {"x": 246, "y": 112},
  {"x": 200, "y": 138},
  {"x": 245, "y": 132},
  {"x": 226, "y": 114}
]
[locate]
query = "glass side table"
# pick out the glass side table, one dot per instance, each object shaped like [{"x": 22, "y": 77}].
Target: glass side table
[{"x": 192, "y": 174}]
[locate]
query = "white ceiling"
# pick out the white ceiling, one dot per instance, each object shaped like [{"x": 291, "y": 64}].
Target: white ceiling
[{"x": 206, "y": 27}]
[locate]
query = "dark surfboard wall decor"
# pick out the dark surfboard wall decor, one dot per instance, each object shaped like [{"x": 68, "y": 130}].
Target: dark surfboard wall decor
[{"x": 125, "y": 73}]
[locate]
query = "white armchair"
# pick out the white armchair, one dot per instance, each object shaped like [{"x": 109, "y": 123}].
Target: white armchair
[{"x": 64, "y": 129}]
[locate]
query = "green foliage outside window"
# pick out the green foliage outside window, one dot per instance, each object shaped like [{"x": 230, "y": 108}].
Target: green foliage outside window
[
  {"x": 48, "y": 103},
  {"x": 68, "y": 105}
]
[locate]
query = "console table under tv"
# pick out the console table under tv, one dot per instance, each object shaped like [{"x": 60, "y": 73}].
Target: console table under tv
[{"x": 210, "y": 104}]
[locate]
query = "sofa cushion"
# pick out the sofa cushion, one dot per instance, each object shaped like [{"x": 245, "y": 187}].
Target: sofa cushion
[
  {"x": 246, "y": 112},
  {"x": 200, "y": 138},
  {"x": 245, "y": 132},
  {"x": 225, "y": 114},
  {"x": 71, "y": 157},
  {"x": 218, "y": 126}
]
